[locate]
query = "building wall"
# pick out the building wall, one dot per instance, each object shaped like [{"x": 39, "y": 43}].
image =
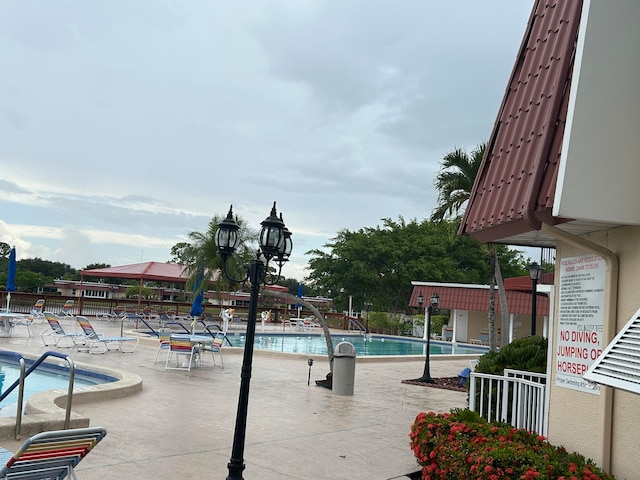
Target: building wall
[
  {"x": 576, "y": 419},
  {"x": 522, "y": 325}
]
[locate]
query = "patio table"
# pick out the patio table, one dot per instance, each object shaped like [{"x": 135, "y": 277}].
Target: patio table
[{"x": 7, "y": 321}]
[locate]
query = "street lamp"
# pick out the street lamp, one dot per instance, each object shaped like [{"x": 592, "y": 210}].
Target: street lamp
[
  {"x": 431, "y": 308},
  {"x": 275, "y": 245},
  {"x": 535, "y": 273},
  {"x": 367, "y": 307}
]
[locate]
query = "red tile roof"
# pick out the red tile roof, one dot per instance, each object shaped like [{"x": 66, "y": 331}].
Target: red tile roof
[
  {"x": 516, "y": 181},
  {"x": 523, "y": 284},
  {"x": 156, "y": 271},
  {"x": 476, "y": 299}
]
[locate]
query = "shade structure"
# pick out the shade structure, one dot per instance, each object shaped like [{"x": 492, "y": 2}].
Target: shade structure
[{"x": 11, "y": 275}]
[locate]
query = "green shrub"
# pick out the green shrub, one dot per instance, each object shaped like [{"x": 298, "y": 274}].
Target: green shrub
[
  {"x": 528, "y": 354},
  {"x": 461, "y": 445},
  {"x": 437, "y": 322}
]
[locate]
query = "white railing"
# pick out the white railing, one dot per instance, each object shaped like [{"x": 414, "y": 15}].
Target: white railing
[{"x": 517, "y": 398}]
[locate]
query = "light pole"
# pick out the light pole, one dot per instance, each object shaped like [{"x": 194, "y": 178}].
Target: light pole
[
  {"x": 431, "y": 308},
  {"x": 535, "y": 273},
  {"x": 275, "y": 244},
  {"x": 367, "y": 307}
]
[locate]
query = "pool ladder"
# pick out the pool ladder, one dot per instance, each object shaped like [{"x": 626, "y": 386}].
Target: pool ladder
[
  {"x": 356, "y": 326},
  {"x": 24, "y": 373}
]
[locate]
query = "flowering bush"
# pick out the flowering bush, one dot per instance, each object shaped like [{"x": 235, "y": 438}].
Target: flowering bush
[{"x": 462, "y": 446}]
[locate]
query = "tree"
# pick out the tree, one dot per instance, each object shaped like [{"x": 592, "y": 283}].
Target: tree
[
  {"x": 49, "y": 269},
  {"x": 202, "y": 261},
  {"x": 94, "y": 266},
  {"x": 454, "y": 183},
  {"x": 378, "y": 264}
]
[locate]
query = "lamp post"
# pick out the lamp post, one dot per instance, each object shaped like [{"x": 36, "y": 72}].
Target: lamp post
[
  {"x": 431, "y": 308},
  {"x": 275, "y": 244},
  {"x": 367, "y": 307},
  {"x": 535, "y": 273}
]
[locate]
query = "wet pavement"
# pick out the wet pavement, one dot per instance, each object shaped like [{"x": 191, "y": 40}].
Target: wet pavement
[{"x": 181, "y": 425}]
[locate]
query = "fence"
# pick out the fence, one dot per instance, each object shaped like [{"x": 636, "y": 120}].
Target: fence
[{"x": 517, "y": 398}]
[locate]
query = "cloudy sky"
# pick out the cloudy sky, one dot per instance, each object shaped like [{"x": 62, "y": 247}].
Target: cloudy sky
[{"x": 126, "y": 124}]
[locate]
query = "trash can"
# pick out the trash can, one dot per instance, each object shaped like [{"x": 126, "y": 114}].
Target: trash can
[{"x": 344, "y": 368}]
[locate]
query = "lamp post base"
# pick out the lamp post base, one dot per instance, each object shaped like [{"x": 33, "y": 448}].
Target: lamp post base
[{"x": 424, "y": 380}]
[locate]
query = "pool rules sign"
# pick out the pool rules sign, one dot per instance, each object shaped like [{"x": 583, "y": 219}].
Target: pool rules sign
[{"x": 580, "y": 320}]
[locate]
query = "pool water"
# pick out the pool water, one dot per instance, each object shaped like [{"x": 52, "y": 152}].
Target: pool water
[
  {"x": 44, "y": 377},
  {"x": 372, "y": 346}
]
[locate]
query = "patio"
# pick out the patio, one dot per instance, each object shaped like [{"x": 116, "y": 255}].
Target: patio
[{"x": 181, "y": 426}]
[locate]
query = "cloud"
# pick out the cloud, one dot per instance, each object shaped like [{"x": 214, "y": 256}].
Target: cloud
[{"x": 126, "y": 125}]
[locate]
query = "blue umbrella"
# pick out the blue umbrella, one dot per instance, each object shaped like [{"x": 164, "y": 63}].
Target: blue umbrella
[
  {"x": 11, "y": 275},
  {"x": 13, "y": 267},
  {"x": 299, "y": 305},
  {"x": 196, "y": 307}
]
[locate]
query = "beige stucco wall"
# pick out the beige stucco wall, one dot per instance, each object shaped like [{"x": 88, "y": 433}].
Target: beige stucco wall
[
  {"x": 522, "y": 325},
  {"x": 477, "y": 321},
  {"x": 575, "y": 418}
]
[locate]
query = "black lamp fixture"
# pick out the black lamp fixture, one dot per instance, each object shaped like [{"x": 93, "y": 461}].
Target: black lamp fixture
[
  {"x": 367, "y": 309},
  {"x": 275, "y": 246},
  {"x": 535, "y": 273},
  {"x": 431, "y": 308}
]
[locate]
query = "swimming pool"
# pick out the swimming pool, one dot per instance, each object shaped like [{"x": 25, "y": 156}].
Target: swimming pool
[
  {"x": 47, "y": 376},
  {"x": 375, "y": 345}
]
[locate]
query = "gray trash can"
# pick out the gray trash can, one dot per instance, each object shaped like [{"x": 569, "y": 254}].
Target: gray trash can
[{"x": 344, "y": 368}]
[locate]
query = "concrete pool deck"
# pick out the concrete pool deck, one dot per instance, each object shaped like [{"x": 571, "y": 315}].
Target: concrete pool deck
[{"x": 181, "y": 425}]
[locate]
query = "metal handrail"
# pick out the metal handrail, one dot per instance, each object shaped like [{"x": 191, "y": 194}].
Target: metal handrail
[
  {"x": 19, "y": 383},
  {"x": 358, "y": 326}
]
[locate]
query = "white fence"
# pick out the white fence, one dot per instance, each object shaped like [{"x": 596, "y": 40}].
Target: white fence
[{"x": 517, "y": 398}]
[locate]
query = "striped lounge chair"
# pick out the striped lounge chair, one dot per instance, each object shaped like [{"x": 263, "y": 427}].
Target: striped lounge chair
[
  {"x": 50, "y": 455},
  {"x": 93, "y": 342},
  {"x": 56, "y": 334}
]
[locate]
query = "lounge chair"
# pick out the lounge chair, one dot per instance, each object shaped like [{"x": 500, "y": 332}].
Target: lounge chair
[
  {"x": 50, "y": 455},
  {"x": 57, "y": 333},
  {"x": 114, "y": 314},
  {"x": 38, "y": 309},
  {"x": 67, "y": 309},
  {"x": 23, "y": 321},
  {"x": 301, "y": 326},
  {"x": 447, "y": 333},
  {"x": 93, "y": 342}
]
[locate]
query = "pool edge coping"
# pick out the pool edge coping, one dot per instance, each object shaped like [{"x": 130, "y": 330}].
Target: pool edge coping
[{"x": 46, "y": 410}]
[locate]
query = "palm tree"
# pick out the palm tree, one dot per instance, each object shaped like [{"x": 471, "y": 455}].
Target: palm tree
[
  {"x": 454, "y": 183},
  {"x": 202, "y": 261}
]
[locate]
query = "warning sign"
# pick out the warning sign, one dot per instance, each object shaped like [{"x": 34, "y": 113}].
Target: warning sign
[{"x": 580, "y": 320}]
